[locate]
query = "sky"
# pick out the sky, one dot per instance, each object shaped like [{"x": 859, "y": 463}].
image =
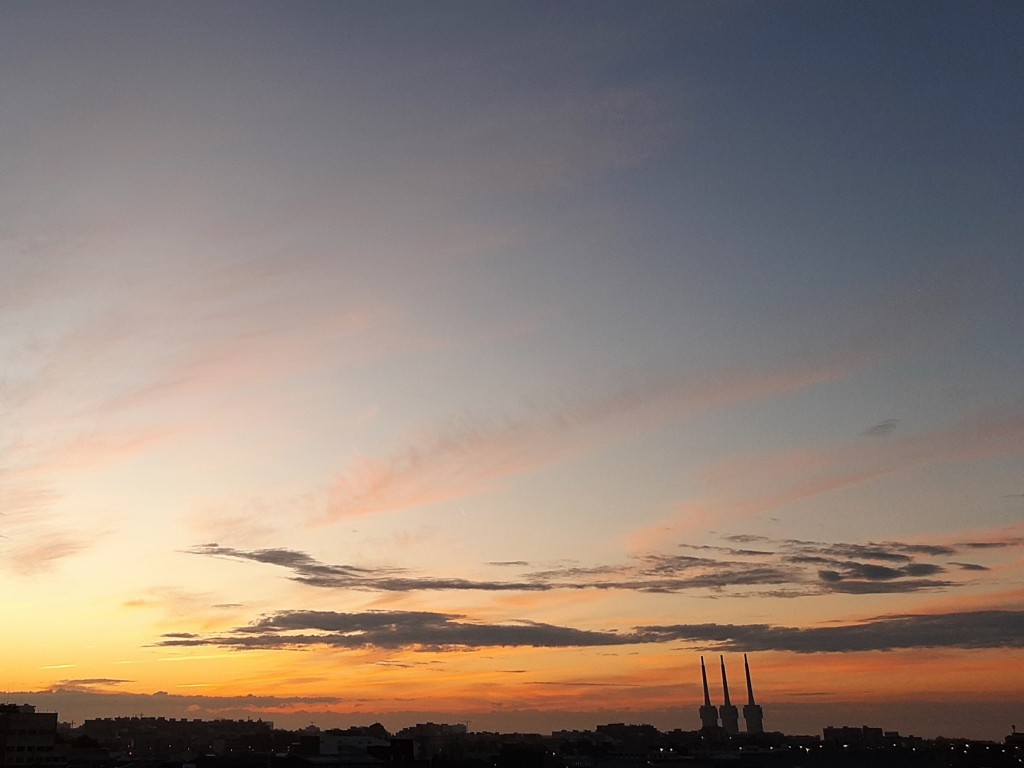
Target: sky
[{"x": 493, "y": 362}]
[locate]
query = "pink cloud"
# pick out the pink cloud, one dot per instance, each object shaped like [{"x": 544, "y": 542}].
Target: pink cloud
[
  {"x": 468, "y": 456},
  {"x": 245, "y": 359},
  {"x": 39, "y": 553},
  {"x": 92, "y": 451},
  {"x": 748, "y": 486}
]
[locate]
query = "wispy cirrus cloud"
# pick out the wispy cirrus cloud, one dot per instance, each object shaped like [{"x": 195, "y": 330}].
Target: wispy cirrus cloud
[
  {"x": 73, "y": 408},
  {"x": 748, "y": 486},
  {"x": 439, "y": 632},
  {"x": 468, "y": 455},
  {"x": 40, "y": 550},
  {"x": 34, "y": 482}
]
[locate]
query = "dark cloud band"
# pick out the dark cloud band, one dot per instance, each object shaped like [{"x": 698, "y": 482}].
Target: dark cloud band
[{"x": 439, "y": 632}]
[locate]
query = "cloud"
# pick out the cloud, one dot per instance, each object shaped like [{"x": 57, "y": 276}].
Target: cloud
[
  {"x": 307, "y": 570},
  {"x": 887, "y": 550},
  {"x": 41, "y": 550},
  {"x": 1012, "y": 541},
  {"x": 882, "y": 428},
  {"x": 896, "y": 551},
  {"x": 749, "y": 486},
  {"x": 216, "y": 326},
  {"x": 392, "y": 630},
  {"x": 464, "y": 457},
  {"x": 977, "y": 629},
  {"x": 655, "y": 573},
  {"x": 670, "y": 573},
  {"x": 468, "y": 455},
  {"x": 37, "y": 536},
  {"x": 838, "y": 583},
  {"x": 970, "y": 566},
  {"x": 88, "y": 683},
  {"x": 440, "y": 632},
  {"x": 876, "y": 572},
  {"x": 782, "y": 568}
]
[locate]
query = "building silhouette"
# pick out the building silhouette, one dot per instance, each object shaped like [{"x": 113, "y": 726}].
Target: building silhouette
[{"x": 27, "y": 737}]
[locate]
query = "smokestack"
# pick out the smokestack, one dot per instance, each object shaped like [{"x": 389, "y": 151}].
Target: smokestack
[
  {"x": 725, "y": 683},
  {"x": 708, "y": 713},
  {"x": 750, "y": 688},
  {"x": 729, "y": 714},
  {"x": 753, "y": 715}
]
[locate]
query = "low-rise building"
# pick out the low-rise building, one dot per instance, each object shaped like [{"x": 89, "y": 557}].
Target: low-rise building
[{"x": 27, "y": 737}]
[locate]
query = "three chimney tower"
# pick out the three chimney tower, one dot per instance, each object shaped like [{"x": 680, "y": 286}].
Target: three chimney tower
[{"x": 753, "y": 715}]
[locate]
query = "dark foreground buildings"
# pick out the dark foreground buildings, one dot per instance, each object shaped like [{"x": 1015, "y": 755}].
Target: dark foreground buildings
[
  {"x": 35, "y": 740},
  {"x": 27, "y": 737}
]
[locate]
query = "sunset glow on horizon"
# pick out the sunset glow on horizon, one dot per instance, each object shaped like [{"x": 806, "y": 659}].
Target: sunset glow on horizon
[{"x": 494, "y": 362}]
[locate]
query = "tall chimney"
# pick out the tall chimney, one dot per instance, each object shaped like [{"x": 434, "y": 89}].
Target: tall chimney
[
  {"x": 729, "y": 714},
  {"x": 750, "y": 687},
  {"x": 725, "y": 683},
  {"x": 708, "y": 713},
  {"x": 753, "y": 715},
  {"x": 704, "y": 677}
]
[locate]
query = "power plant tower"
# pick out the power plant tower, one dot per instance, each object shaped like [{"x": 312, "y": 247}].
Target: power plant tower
[
  {"x": 708, "y": 713},
  {"x": 753, "y": 716},
  {"x": 730, "y": 715}
]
